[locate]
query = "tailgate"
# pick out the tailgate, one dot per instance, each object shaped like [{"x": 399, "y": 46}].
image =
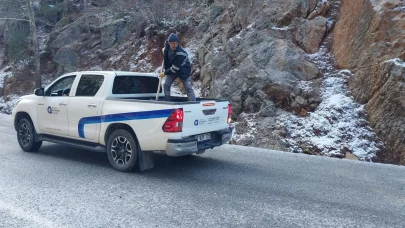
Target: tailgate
[{"x": 207, "y": 116}]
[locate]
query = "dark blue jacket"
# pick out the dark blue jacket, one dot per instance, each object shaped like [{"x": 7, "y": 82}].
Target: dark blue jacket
[{"x": 177, "y": 63}]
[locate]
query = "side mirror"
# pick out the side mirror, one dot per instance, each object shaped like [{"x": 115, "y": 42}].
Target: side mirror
[{"x": 39, "y": 92}]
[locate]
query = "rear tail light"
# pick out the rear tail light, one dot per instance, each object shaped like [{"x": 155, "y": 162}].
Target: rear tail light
[
  {"x": 175, "y": 121},
  {"x": 229, "y": 113}
]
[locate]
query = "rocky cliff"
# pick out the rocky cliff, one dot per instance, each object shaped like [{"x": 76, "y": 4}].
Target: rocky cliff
[
  {"x": 255, "y": 55},
  {"x": 369, "y": 40}
]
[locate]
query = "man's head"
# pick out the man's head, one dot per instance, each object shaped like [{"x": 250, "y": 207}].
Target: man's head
[{"x": 173, "y": 41}]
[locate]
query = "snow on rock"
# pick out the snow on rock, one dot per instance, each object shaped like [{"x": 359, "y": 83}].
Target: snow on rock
[
  {"x": 338, "y": 125},
  {"x": 21, "y": 64},
  {"x": 197, "y": 86},
  {"x": 96, "y": 68},
  {"x": 192, "y": 52},
  {"x": 43, "y": 38},
  {"x": 141, "y": 61},
  {"x": 2, "y": 75},
  {"x": 397, "y": 62},
  {"x": 248, "y": 125},
  {"x": 335, "y": 127},
  {"x": 280, "y": 28}
]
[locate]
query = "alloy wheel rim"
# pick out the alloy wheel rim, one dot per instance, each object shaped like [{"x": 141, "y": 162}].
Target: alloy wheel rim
[
  {"x": 121, "y": 150},
  {"x": 24, "y": 134}
]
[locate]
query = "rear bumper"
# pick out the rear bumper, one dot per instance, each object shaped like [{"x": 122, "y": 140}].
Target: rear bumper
[{"x": 182, "y": 147}]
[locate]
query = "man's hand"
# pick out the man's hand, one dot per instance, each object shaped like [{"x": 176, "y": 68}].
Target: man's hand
[{"x": 161, "y": 75}]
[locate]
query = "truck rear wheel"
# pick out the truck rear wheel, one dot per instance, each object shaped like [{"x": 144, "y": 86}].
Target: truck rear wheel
[
  {"x": 122, "y": 150},
  {"x": 25, "y": 136}
]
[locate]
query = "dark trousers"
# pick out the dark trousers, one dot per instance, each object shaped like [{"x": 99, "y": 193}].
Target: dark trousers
[{"x": 186, "y": 83}]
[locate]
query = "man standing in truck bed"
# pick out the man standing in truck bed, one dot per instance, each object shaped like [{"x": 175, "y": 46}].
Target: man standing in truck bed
[{"x": 176, "y": 64}]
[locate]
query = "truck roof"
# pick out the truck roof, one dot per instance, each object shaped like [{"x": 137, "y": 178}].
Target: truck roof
[{"x": 118, "y": 73}]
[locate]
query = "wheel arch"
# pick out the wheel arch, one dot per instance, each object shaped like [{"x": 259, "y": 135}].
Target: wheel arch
[
  {"x": 19, "y": 116},
  {"x": 117, "y": 126}
]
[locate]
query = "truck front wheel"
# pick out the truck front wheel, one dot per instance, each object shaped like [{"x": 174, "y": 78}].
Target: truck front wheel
[
  {"x": 25, "y": 136},
  {"x": 122, "y": 150}
]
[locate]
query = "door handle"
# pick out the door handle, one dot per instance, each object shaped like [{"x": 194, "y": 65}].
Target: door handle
[
  {"x": 92, "y": 105},
  {"x": 62, "y": 104}
]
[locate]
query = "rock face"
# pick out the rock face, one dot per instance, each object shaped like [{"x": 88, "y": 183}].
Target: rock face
[
  {"x": 309, "y": 35},
  {"x": 67, "y": 37},
  {"x": 387, "y": 104},
  {"x": 101, "y": 2},
  {"x": 269, "y": 70},
  {"x": 369, "y": 39},
  {"x": 255, "y": 56},
  {"x": 112, "y": 32},
  {"x": 67, "y": 58}
]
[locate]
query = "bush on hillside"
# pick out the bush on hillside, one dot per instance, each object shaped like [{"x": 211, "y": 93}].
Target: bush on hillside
[
  {"x": 50, "y": 13},
  {"x": 17, "y": 41}
]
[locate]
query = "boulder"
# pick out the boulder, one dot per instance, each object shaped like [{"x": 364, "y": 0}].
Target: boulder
[
  {"x": 67, "y": 58},
  {"x": 310, "y": 34},
  {"x": 112, "y": 32},
  {"x": 67, "y": 37}
]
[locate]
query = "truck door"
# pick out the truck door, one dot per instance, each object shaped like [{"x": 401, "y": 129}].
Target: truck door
[
  {"x": 53, "y": 107},
  {"x": 85, "y": 107}
]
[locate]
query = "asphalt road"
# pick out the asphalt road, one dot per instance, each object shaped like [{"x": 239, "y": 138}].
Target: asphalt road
[{"x": 231, "y": 186}]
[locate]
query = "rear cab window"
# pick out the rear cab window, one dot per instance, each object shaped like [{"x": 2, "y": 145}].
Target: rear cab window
[{"x": 135, "y": 85}]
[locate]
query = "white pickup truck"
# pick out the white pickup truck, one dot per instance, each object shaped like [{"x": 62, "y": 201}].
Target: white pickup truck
[{"x": 116, "y": 112}]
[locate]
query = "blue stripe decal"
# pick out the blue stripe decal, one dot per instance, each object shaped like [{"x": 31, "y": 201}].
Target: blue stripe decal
[{"x": 164, "y": 113}]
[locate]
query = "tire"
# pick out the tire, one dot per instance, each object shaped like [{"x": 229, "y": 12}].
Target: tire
[
  {"x": 122, "y": 151},
  {"x": 25, "y": 136}
]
